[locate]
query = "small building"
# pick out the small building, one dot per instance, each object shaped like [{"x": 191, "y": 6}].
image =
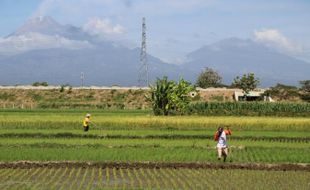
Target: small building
[{"x": 257, "y": 95}]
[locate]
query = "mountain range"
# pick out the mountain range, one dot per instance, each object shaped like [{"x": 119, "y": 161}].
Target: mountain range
[{"x": 44, "y": 50}]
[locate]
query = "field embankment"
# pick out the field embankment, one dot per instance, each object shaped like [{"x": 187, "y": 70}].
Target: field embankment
[
  {"x": 211, "y": 102},
  {"x": 73, "y": 98}
]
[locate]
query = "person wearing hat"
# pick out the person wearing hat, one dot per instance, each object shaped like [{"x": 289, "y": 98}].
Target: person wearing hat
[{"x": 86, "y": 122}]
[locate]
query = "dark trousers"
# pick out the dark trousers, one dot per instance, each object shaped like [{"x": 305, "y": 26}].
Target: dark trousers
[{"x": 86, "y": 128}]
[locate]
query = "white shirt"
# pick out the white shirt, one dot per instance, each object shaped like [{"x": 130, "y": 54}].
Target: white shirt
[{"x": 222, "y": 143}]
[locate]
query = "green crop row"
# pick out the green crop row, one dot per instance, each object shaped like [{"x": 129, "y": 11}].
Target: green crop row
[
  {"x": 156, "y": 154},
  {"x": 69, "y": 135},
  {"x": 249, "y": 109},
  {"x": 112, "y": 178},
  {"x": 148, "y": 143}
]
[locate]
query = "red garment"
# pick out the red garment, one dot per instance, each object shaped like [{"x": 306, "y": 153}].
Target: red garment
[
  {"x": 227, "y": 132},
  {"x": 216, "y": 135}
]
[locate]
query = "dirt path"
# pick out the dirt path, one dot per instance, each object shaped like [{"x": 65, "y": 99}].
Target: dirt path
[{"x": 157, "y": 165}]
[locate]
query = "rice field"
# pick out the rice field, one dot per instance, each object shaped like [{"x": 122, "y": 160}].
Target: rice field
[
  {"x": 137, "y": 136},
  {"x": 76, "y": 178},
  {"x": 125, "y": 120}
]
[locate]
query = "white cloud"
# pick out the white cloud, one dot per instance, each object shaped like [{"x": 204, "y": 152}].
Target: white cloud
[
  {"x": 275, "y": 39},
  {"x": 103, "y": 27},
  {"x": 32, "y": 41}
]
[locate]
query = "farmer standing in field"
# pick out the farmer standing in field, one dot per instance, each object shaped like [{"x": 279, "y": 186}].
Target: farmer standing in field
[
  {"x": 222, "y": 147},
  {"x": 86, "y": 122}
]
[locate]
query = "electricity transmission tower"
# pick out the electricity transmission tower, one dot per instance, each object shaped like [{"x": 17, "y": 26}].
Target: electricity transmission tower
[
  {"x": 143, "y": 80},
  {"x": 82, "y": 79}
]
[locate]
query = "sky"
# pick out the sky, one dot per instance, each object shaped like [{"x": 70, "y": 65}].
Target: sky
[{"x": 175, "y": 27}]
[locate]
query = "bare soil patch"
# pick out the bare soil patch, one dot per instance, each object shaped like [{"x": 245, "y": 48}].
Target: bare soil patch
[{"x": 157, "y": 165}]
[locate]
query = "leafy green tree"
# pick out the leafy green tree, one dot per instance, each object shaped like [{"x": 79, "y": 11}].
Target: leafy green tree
[
  {"x": 209, "y": 78},
  {"x": 169, "y": 96},
  {"x": 305, "y": 85},
  {"x": 247, "y": 83},
  {"x": 305, "y": 90},
  {"x": 283, "y": 92},
  {"x": 40, "y": 84}
]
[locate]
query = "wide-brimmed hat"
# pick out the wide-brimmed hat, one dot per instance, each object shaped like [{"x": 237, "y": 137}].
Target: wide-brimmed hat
[{"x": 88, "y": 115}]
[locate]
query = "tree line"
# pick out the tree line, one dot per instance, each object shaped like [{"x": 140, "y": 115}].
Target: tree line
[
  {"x": 248, "y": 82},
  {"x": 169, "y": 97}
]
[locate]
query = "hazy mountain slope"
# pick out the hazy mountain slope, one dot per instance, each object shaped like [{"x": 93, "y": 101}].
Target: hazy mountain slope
[
  {"x": 44, "y": 50},
  {"x": 232, "y": 57},
  {"x": 62, "y": 52}
]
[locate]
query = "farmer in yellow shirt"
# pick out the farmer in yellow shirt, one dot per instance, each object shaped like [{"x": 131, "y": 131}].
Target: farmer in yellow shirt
[{"x": 86, "y": 122}]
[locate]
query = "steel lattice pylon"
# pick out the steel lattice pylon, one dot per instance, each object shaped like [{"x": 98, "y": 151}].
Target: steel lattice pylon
[{"x": 143, "y": 80}]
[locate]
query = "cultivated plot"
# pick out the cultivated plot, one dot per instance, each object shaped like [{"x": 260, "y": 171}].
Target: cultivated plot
[{"x": 87, "y": 178}]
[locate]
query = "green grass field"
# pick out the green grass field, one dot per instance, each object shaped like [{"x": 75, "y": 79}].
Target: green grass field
[
  {"x": 121, "y": 135},
  {"x": 137, "y": 136}
]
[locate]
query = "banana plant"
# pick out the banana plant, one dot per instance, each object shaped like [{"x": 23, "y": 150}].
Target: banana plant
[{"x": 169, "y": 96}]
